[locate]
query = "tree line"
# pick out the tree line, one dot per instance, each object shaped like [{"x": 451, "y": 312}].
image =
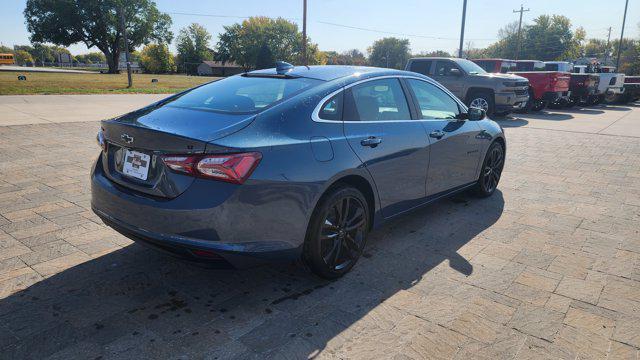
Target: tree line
[{"x": 258, "y": 41}]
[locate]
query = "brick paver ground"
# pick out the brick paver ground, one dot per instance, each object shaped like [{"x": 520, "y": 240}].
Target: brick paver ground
[{"x": 549, "y": 267}]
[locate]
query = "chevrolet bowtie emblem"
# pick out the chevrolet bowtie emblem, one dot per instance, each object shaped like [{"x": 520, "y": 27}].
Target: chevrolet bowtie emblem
[{"x": 126, "y": 138}]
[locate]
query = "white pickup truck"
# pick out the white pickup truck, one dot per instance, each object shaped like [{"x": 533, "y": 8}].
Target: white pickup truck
[{"x": 611, "y": 84}]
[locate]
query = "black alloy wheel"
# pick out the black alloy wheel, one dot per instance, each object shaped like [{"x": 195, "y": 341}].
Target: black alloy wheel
[
  {"x": 338, "y": 233},
  {"x": 491, "y": 170}
]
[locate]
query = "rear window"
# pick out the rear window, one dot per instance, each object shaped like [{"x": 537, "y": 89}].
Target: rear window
[
  {"x": 242, "y": 94},
  {"x": 551, "y": 67}
]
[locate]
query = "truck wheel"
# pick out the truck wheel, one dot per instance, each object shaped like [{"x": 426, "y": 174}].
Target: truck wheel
[
  {"x": 483, "y": 100},
  {"x": 610, "y": 98},
  {"x": 538, "y": 105},
  {"x": 572, "y": 102}
]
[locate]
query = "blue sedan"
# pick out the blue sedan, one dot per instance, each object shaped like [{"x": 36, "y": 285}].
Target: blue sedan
[{"x": 289, "y": 163}]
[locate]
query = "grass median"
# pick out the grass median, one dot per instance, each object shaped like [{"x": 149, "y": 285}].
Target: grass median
[{"x": 61, "y": 83}]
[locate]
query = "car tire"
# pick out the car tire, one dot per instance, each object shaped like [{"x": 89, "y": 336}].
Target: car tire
[
  {"x": 483, "y": 99},
  {"x": 334, "y": 242},
  {"x": 491, "y": 171}
]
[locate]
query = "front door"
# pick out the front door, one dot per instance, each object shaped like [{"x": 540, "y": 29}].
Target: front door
[
  {"x": 393, "y": 146},
  {"x": 452, "y": 81},
  {"x": 455, "y": 144}
]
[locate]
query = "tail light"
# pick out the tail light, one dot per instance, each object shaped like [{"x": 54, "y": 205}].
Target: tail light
[{"x": 233, "y": 168}]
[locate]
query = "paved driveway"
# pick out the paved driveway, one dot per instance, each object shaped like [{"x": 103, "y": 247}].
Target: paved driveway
[{"x": 549, "y": 267}]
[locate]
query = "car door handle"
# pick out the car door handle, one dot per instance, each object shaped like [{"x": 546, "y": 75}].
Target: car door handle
[
  {"x": 371, "y": 141},
  {"x": 438, "y": 134}
]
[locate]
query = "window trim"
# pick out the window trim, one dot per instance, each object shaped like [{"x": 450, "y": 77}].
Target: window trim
[{"x": 316, "y": 110}]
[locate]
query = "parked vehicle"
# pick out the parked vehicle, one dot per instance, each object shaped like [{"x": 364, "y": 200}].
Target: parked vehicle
[
  {"x": 631, "y": 89},
  {"x": 544, "y": 86},
  {"x": 496, "y": 94},
  {"x": 583, "y": 87},
  {"x": 611, "y": 84},
  {"x": 548, "y": 87},
  {"x": 288, "y": 163}
]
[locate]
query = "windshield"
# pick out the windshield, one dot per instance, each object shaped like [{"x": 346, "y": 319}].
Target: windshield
[
  {"x": 242, "y": 94},
  {"x": 470, "y": 67}
]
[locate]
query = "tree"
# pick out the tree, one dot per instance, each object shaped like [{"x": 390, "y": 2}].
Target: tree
[
  {"x": 23, "y": 58},
  {"x": 242, "y": 42},
  {"x": 349, "y": 57},
  {"x": 436, "y": 53},
  {"x": 157, "y": 59},
  {"x": 193, "y": 47},
  {"x": 630, "y": 56},
  {"x": 96, "y": 24},
  {"x": 6, "y": 50},
  {"x": 389, "y": 52},
  {"x": 265, "y": 58},
  {"x": 43, "y": 53}
]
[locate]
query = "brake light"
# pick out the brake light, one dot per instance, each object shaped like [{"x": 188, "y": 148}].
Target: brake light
[{"x": 233, "y": 168}]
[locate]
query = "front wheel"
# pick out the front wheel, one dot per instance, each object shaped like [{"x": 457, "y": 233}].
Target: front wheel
[
  {"x": 337, "y": 232},
  {"x": 491, "y": 170},
  {"x": 482, "y": 100}
]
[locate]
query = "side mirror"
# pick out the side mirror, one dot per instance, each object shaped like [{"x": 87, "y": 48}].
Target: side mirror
[
  {"x": 455, "y": 72},
  {"x": 475, "y": 114}
]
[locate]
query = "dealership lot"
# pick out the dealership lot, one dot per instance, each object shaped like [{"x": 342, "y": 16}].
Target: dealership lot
[{"x": 547, "y": 267}]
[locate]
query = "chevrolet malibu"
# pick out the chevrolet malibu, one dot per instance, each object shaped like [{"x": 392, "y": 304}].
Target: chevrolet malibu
[{"x": 289, "y": 163}]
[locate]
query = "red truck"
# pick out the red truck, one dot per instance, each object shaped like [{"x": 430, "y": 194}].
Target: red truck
[{"x": 546, "y": 87}]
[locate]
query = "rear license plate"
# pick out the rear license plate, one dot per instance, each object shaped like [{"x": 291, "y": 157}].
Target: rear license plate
[{"x": 136, "y": 164}]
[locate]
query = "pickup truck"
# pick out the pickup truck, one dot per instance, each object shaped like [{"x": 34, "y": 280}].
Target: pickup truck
[
  {"x": 583, "y": 87},
  {"x": 631, "y": 89},
  {"x": 611, "y": 85},
  {"x": 544, "y": 86},
  {"x": 497, "y": 94}
]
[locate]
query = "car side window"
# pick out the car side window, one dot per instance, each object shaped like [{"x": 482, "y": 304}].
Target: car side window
[
  {"x": 443, "y": 67},
  {"x": 332, "y": 108},
  {"x": 433, "y": 102},
  {"x": 420, "y": 66},
  {"x": 376, "y": 100}
]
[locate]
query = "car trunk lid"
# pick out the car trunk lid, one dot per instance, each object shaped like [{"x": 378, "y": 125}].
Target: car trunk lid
[{"x": 137, "y": 141}]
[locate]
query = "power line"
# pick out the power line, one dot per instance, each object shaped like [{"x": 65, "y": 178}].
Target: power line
[{"x": 337, "y": 25}]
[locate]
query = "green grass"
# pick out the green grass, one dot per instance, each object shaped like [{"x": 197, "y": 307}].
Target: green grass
[{"x": 65, "y": 83}]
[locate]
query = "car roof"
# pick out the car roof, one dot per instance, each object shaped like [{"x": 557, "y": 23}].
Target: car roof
[
  {"x": 493, "y": 59},
  {"x": 331, "y": 72},
  {"x": 435, "y": 58}
]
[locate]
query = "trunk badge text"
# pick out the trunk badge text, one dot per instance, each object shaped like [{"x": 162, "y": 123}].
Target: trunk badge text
[{"x": 126, "y": 138}]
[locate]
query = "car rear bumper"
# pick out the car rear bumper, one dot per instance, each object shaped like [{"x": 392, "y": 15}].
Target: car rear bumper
[{"x": 204, "y": 217}]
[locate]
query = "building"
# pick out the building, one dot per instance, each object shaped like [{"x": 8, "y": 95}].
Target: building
[{"x": 219, "y": 68}]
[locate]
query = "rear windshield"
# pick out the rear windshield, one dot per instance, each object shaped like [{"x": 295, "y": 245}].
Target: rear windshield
[
  {"x": 242, "y": 94},
  {"x": 551, "y": 67}
]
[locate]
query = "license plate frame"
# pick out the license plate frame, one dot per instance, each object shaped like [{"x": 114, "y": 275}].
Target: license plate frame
[{"x": 136, "y": 164}]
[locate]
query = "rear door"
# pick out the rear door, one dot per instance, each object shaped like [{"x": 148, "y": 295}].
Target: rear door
[
  {"x": 454, "y": 83},
  {"x": 391, "y": 144},
  {"x": 455, "y": 144}
]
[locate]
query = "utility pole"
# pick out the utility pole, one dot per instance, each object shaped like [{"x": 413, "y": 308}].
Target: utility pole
[
  {"x": 126, "y": 45},
  {"x": 606, "y": 51},
  {"x": 464, "y": 18},
  {"x": 522, "y": 10},
  {"x": 304, "y": 33},
  {"x": 624, "y": 19}
]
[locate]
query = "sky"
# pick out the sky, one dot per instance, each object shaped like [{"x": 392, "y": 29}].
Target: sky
[{"x": 428, "y": 24}]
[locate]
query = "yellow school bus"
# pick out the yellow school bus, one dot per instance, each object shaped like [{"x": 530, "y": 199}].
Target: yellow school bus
[{"x": 7, "y": 59}]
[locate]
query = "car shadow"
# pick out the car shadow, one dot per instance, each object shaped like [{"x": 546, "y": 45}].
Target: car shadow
[
  {"x": 512, "y": 122},
  {"x": 139, "y": 303}
]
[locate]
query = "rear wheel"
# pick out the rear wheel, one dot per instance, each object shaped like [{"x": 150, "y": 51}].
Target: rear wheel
[
  {"x": 481, "y": 100},
  {"x": 337, "y": 232},
  {"x": 491, "y": 170}
]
